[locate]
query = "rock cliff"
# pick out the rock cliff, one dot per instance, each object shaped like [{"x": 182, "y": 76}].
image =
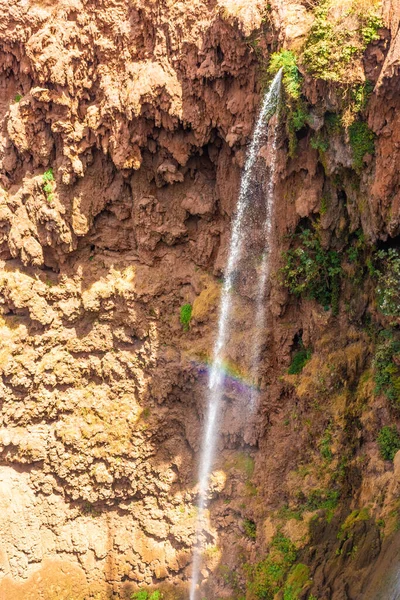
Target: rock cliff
[{"x": 124, "y": 127}]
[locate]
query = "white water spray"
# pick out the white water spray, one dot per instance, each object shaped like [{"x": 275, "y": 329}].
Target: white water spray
[
  {"x": 216, "y": 377},
  {"x": 265, "y": 263}
]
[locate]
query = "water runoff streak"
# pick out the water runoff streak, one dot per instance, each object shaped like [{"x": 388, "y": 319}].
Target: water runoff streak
[{"x": 216, "y": 374}]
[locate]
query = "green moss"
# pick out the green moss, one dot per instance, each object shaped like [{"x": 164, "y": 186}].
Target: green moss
[
  {"x": 312, "y": 271},
  {"x": 388, "y": 442},
  {"x": 354, "y": 517},
  {"x": 362, "y": 142},
  {"x": 299, "y": 360},
  {"x": 297, "y": 582},
  {"x": 17, "y": 98},
  {"x": 186, "y": 315}
]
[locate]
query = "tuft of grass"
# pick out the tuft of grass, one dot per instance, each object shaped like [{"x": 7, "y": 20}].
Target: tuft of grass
[
  {"x": 388, "y": 442},
  {"x": 186, "y": 315}
]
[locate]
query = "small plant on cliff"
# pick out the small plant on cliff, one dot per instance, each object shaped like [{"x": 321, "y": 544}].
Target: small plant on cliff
[
  {"x": 334, "y": 40},
  {"x": 48, "y": 184},
  {"x": 299, "y": 360},
  {"x": 388, "y": 442},
  {"x": 362, "y": 142},
  {"x": 297, "y": 582},
  {"x": 144, "y": 595},
  {"x": 250, "y": 528},
  {"x": 17, "y": 98},
  {"x": 267, "y": 577},
  {"x": 186, "y": 315},
  {"x": 386, "y": 369},
  {"x": 312, "y": 271},
  {"x": 287, "y": 61},
  {"x": 387, "y": 271}
]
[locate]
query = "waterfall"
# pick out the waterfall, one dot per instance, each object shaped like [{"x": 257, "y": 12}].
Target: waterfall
[
  {"x": 216, "y": 375},
  {"x": 264, "y": 270}
]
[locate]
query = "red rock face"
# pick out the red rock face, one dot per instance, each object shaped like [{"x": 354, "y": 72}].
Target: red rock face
[{"x": 124, "y": 132}]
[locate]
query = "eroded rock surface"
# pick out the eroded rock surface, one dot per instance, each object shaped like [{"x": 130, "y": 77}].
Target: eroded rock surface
[{"x": 124, "y": 128}]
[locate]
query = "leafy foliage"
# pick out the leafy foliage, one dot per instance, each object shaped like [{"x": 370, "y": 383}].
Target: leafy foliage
[
  {"x": 370, "y": 28},
  {"x": 388, "y": 442},
  {"x": 362, "y": 142},
  {"x": 388, "y": 276},
  {"x": 48, "y": 182},
  {"x": 186, "y": 315},
  {"x": 387, "y": 372},
  {"x": 312, "y": 271},
  {"x": 48, "y": 175},
  {"x": 332, "y": 45},
  {"x": 17, "y": 98},
  {"x": 287, "y": 61},
  {"x": 300, "y": 358}
]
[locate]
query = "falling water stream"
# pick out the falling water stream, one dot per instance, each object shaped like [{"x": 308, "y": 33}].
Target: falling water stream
[{"x": 216, "y": 375}]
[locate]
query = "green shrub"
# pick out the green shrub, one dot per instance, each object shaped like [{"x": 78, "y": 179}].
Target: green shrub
[
  {"x": 186, "y": 315},
  {"x": 250, "y": 528},
  {"x": 319, "y": 142},
  {"x": 48, "y": 175},
  {"x": 141, "y": 595},
  {"x": 17, "y": 98},
  {"x": 267, "y": 577},
  {"x": 370, "y": 28},
  {"x": 328, "y": 49},
  {"x": 144, "y": 595},
  {"x": 331, "y": 46},
  {"x": 287, "y": 61},
  {"x": 388, "y": 442},
  {"x": 362, "y": 142},
  {"x": 312, "y": 271},
  {"x": 299, "y": 360},
  {"x": 48, "y": 183},
  {"x": 386, "y": 370},
  {"x": 388, "y": 276}
]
